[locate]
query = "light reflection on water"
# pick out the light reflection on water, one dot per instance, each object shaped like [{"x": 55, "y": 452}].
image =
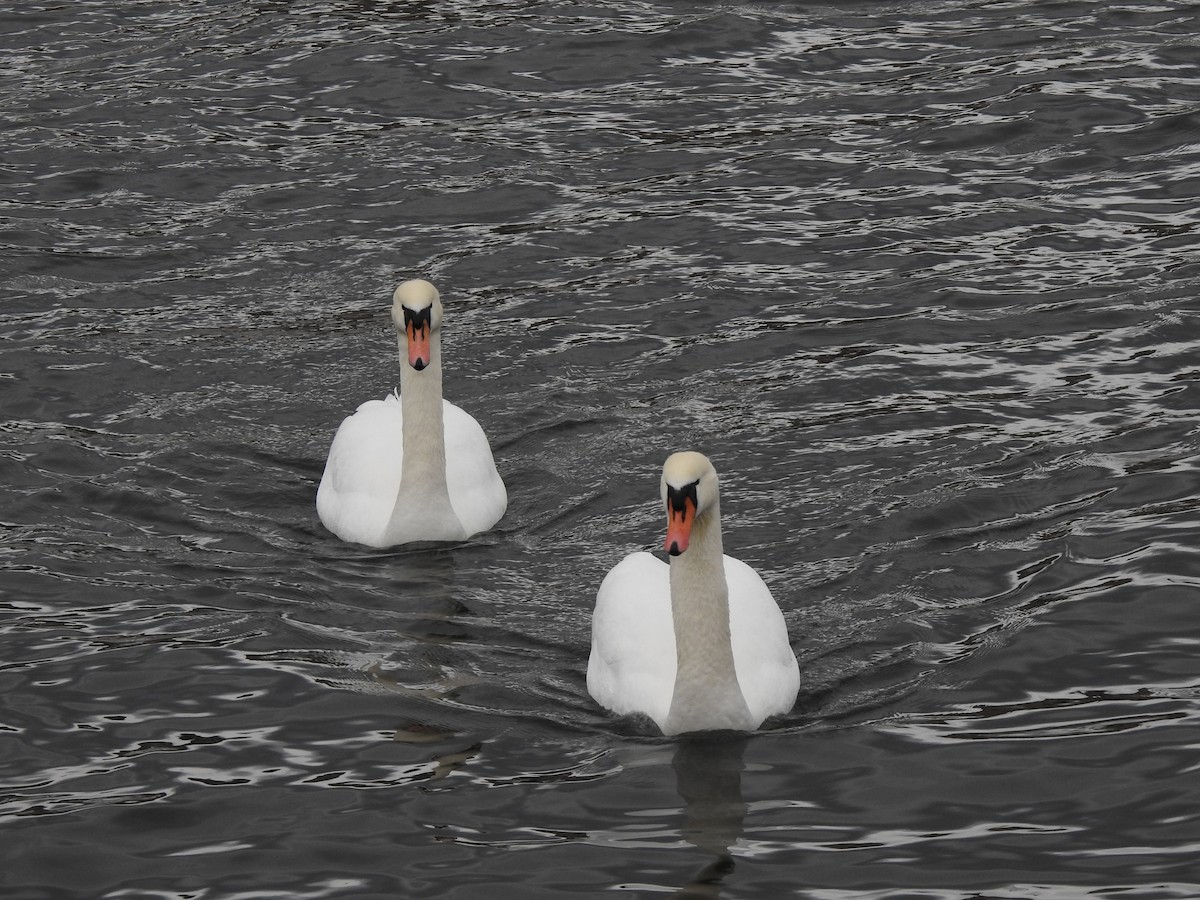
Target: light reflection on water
[{"x": 921, "y": 280}]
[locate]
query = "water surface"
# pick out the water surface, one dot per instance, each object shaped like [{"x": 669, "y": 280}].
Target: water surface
[{"x": 921, "y": 279}]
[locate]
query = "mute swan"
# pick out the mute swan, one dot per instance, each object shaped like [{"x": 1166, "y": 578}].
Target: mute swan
[
  {"x": 412, "y": 467},
  {"x": 696, "y": 645}
]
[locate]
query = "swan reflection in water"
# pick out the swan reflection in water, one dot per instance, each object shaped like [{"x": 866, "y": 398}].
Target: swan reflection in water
[{"x": 708, "y": 776}]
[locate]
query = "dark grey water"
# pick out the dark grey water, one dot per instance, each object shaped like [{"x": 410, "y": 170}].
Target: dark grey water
[{"x": 921, "y": 279}]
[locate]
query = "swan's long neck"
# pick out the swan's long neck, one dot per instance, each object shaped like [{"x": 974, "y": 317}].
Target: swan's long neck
[
  {"x": 424, "y": 426},
  {"x": 423, "y": 492},
  {"x": 707, "y": 694}
]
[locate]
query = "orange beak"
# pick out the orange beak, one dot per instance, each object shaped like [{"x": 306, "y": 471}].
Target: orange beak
[
  {"x": 679, "y": 525},
  {"x": 418, "y": 344}
]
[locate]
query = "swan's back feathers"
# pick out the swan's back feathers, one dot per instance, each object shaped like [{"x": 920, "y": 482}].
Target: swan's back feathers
[
  {"x": 632, "y": 666},
  {"x": 762, "y": 655},
  {"x": 632, "y": 669},
  {"x": 477, "y": 493},
  {"x": 358, "y": 490},
  {"x": 362, "y": 473}
]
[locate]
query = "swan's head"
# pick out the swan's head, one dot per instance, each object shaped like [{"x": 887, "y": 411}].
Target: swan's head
[
  {"x": 417, "y": 314},
  {"x": 689, "y": 488}
]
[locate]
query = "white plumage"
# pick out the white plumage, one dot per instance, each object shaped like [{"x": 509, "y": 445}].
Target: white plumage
[
  {"x": 696, "y": 645},
  {"x": 412, "y": 467}
]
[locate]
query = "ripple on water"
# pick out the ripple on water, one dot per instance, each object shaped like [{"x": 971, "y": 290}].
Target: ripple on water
[{"x": 921, "y": 284}]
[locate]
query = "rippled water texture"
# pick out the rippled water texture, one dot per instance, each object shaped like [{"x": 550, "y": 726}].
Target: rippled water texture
[{"x": 921, "y": 279}]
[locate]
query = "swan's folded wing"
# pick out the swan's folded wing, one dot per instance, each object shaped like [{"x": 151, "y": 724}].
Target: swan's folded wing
[
  {"x": 362, "y": 474},
  {"x": 762, "y": 653},
  {"x": 632, "y": 664},
  {"x": 477, "y": 493}
]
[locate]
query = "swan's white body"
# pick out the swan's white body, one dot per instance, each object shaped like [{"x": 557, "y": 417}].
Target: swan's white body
[
  {"x": 696, "y": 645},
  {"x": 360, "y": 496},
  {"x": 411, "y": 467}
]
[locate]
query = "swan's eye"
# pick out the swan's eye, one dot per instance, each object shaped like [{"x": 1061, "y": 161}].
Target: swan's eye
[
  {"x": 677, "y": 498},
  {"x": 418, "y": 319}
]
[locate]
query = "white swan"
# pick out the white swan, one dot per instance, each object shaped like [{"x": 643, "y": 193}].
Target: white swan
[
  {"x": 697, "y": 645},
  {"x": 413, "y": 467}
]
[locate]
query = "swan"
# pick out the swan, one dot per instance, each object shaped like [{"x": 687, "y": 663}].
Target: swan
[
  {"x": 696, "y": 645},
  {"x": 411, "y": 467}
]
